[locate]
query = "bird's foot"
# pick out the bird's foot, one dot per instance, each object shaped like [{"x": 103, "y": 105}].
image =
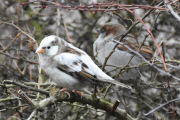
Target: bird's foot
[
  {"x": 77, "y": 92},
  {"x": 65, "y": 91}
]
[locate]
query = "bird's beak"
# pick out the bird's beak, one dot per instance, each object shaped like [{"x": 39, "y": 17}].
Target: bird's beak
[
  {"x": 100, "y": 30},
  {"x": 40, "y": 50}
]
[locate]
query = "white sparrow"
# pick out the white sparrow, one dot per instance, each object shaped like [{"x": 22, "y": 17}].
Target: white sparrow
[
  {"x": 70, "y": 67},
  {"x": 104, "y": 44}
]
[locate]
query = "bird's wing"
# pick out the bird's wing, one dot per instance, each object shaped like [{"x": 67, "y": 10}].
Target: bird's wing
[
  {"x": 144, "y": 50},
  {"x": 71, "y": 64},
  {"x": 78, "y": 64}
]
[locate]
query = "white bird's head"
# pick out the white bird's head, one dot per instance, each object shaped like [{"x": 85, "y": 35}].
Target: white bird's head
[
  {"x": 110, "y": 30},
  {"x": 49, "y": 46}
]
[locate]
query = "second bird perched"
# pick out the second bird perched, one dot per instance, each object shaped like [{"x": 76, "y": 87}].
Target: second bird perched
[
  {"x": 104, "y": 45},
  {"x": 70, "y": 67}
]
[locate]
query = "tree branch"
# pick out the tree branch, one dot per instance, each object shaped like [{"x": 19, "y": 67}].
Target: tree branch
[
  {"x": 168, "y": 5},
  {"x": 162, "y": 105},
  {"x": 24, "y": 86},
  {"x": 57, "y": 96},
  {"x": 150, "y": 64},
  {"x": 12, "y": 57}
]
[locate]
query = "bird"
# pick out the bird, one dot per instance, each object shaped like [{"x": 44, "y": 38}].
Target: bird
[
  {"x": 121, "y": 56},
  {"x": 70, "y": 67}
]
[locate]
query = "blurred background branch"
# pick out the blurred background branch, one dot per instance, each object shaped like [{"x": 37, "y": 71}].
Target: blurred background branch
[{"x": 24, "y": 23}]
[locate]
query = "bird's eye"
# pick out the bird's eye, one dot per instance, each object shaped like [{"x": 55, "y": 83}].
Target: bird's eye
[{"x": 48, "y": 47}]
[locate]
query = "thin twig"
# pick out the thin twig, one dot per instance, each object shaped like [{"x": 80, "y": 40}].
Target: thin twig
[
  {"x": 95, "y": 6},
  {"x": 162, "y": 105},
  {"x": 11, "y": 42},
  {"x": 12, "y": 24},
  {"x": 168, "y": 5},
  {"x": 12, "y": 57},
  {"x": 162, "y": 58},
  {"x": 152, "y": 65},
  {"x": 32, "y": 114},
  {"x": 130, "y": 28},
  {"x": 24, "y": 86},
  {"x": 66, "y": 31}
]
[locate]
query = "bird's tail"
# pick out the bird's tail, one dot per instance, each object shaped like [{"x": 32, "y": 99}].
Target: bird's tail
[{"x": 120, "y": 84}]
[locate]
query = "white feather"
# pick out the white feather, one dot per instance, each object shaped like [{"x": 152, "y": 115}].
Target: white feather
[
  {"x": 52, "y": 58},
  {"x": 69, "y": 59}
]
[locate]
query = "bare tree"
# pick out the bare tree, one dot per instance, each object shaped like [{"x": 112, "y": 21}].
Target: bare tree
[{"x": 26, "y": 91}]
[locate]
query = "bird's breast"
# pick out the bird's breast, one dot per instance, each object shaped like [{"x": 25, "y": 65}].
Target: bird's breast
[{"x": 59, "y": 77}]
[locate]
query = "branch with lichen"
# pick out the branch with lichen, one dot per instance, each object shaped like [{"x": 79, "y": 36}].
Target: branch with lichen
[{"x": 57, "y": 96}]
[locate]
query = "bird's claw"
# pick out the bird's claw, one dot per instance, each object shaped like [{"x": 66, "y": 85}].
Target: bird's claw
[
  {"x": 65, "y": 91},
  {"x": 77, "y": 92}
]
